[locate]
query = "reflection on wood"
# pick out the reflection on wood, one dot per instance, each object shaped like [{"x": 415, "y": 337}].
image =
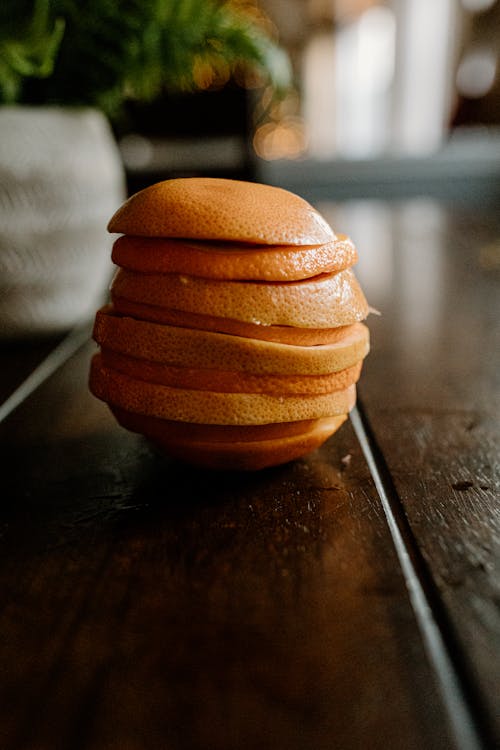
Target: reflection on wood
[
  {"x": 145, "y": 603},
  {"x": 433, "y": 407}
]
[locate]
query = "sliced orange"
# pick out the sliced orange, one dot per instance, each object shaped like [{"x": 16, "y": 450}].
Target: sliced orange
[
  {"x": 215, "y": 433},
  {"x": 247, "y": 455},
  {"x": 218, "y": 209},
  {"x": 210, "y": 407},
  {"x": 187, "y": 347},
  {"x": 226, "y": 381},
  {"x": 234, "y": 339},
  {"x": 280, "y": 334},
  {"x": 326, "y": 301},
  {"x": 231, "y": 260}
]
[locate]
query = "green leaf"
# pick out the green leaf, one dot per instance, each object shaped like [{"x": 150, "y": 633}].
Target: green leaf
[
  {"x": 101, "y": 52},
  {"x": 31, "y": 51}
]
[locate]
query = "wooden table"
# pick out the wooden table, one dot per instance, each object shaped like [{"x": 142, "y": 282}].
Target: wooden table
[{"x": 347, "y": 600}]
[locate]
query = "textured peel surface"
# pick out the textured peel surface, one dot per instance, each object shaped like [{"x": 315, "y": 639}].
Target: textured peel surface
[
  {"x": 247, "y": 455},
  {"x": 280, "y": 334},
  {"x": 219, "y": 209},
  {"x": 220, "y": 433},
  {"x": 227, "y": 381},
  {"x": 187, "y": 347},
  {"x": 234, "y": 339},
  {"x": 209, "y": 407},
  {"x": 326, "y": 301},
  {"x": 231, "y": 261}
]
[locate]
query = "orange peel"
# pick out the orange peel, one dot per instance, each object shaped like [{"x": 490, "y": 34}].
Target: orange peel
[
  {"x": 247, "y": 455},
  {"x": 154, "y": 427},
  {"x": 187, "y": 347},
  {"x": 232, "y": 261},
  {"x": 234, "y": 338},
  {"x": 210, "y": 407},
  {"x": 326, "y": 301},
  {"x": 225, "y": 381},
  {"x": 279, "y": 334},
  {"x": 219, "y": 209}
]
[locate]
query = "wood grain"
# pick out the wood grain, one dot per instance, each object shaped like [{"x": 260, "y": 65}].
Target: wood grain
[
  {"x": 431, "y": 393},
  {"x": 146, "y": 604}
]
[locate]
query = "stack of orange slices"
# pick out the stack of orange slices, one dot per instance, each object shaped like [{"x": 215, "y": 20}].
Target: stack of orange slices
[{"x": 234, "y": 337}]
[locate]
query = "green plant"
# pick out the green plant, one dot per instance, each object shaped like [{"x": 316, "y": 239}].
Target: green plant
[{"x": 102, "y": 52}]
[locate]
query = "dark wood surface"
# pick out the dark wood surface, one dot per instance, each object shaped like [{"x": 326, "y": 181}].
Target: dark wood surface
[
  {"x": 144, "y": 604},
  {"x": 431, "y": 394},
  {"x": 18, "y": 359}
]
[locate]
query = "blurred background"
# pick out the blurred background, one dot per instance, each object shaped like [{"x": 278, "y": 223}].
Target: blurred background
[
  {"x": 395, "y": 97},
  {"x": 336, "y": 95},
  {"x": 337, "y": 100}
]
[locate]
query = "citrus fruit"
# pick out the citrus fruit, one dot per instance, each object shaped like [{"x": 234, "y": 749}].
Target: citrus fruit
[
  {"x": 226, "y": 381},
  {"x": 234, "y": 336},
  {"x": 325, "y": 301},
  {"x": 211, "y": 407},
  {"x": 232, "y": 261},
  {"x": 279, "y": 334},
  {"x": 187, "y": 347},
  {"x": 219, "y": 209},
  {"x": 247, "y": 455},
  {"x": 217, "y": 433}
]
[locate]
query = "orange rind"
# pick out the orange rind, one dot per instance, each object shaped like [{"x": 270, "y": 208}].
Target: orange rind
[
  {"x": 225, "y": 381},
  {"x": 155, "y": 427},
  {"x": 187, "y": 347},
  {"x": 234, "y": 338},
  {"x": 219, "y": 209},
  {"x": 210, "y": 407},
  {"x": 232, "y": 261},
  {"x": 279, "y": 334},
  {"x": 244, "y": 455},
  {"x": 326, "y": 301}
]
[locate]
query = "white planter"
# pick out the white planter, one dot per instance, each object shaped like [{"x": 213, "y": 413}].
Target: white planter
[{"x": 61, "y": 179}]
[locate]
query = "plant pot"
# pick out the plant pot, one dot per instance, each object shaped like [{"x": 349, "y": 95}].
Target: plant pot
[{"x": 61, "y": 178}]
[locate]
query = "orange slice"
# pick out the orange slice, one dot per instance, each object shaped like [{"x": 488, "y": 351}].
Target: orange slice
[
  {"x": 326, "y": 301},
  {"x": 210, "y": 407},
  {"x": 247, "y": 455},
  {"x": 231, "y": 260},
  {"x": 218, "y": 209},
  {"x": 227, "y": 381},
  {"x": 187, "y": 347},
  {"x": 155, "y": 427},
  {"x": 280, "y": 334}
]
